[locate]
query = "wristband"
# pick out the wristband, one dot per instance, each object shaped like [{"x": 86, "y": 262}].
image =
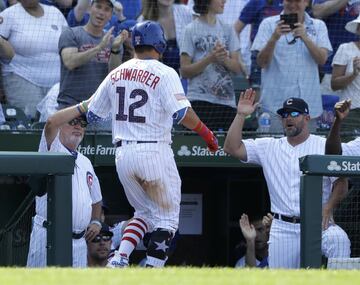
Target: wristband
[
  {"x": 115, "y": 51},
  {"x": 79, "y": 109},
  {"x": 96, "y": 222},
  {"x": 201, "y": 129}
]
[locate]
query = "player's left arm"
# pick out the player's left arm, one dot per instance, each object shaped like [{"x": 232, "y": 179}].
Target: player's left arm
[
  {"x": 338, "y": 193},
  {"x": 62, "y": 117},
  {"x": 100, "y": 104},
  {"x": 95, "y": 193},
  {"x": 94, "y": 227}
]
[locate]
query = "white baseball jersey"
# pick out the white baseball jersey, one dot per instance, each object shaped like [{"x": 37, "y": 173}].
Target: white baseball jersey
[
  {"x": 142, "y": 96},
  {"x": 352, "y": 148},
  {"x": 280, "y": 163},
  {"x": 85, "y": 192}
]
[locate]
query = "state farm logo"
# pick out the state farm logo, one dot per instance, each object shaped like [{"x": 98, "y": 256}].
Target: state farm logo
[
  {"x": 184, "y": 151},
  {"x": 345, "y": 166},
  {"x": 199, "y": 151},
  {"x": 333, "y": 166}
]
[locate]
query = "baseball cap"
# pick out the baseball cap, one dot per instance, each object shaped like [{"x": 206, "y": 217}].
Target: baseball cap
[
  {"x": 112, "y": 2},
  {"x": 352, "y": 26},
  {"x": 294, "y": 104},
  {"x": 127, "y": 25},
  {"x": 105, "y": 229}
]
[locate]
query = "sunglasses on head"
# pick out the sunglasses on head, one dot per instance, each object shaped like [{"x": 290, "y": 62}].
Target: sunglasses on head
[
  {"x": 98, "y": 238},
  {"x": 293, "y": 114},
  {"x": 76, "y": 121}
]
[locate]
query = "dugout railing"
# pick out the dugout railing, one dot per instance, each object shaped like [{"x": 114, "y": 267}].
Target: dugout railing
[
  {"x": 51, "y": 173},
  {"x": 314, "y": 167}
]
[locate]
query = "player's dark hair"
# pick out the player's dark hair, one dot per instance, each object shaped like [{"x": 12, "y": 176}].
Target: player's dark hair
[
  {"x": 201, "y": 6},
  {"x": 144, "y": 48}
]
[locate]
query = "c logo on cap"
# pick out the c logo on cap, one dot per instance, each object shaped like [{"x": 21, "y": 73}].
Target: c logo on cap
[{"x": 289, "y": 102}]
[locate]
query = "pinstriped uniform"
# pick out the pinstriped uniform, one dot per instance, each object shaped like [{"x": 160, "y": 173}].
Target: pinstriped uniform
[
  {"x": 280, "y": 163},
  {"x": 352, "y": 148},
  {"x": 142, "y": 96},
  {"x": 86, "y": 191}
]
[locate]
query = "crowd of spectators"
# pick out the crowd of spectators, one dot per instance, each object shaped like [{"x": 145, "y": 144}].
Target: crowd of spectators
[{"x": 51, "y": 58}]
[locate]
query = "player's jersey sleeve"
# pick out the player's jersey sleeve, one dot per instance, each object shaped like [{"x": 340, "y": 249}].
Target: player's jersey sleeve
[
  {"x": 56, "y": 145},
  {"x": 172, "y": 95},
  {"x": 100, "y": 104},
  {"x": 351, "y": 148}
]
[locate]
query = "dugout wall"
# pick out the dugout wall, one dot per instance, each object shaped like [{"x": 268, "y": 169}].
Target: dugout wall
[{"x": 226, "y": 189}]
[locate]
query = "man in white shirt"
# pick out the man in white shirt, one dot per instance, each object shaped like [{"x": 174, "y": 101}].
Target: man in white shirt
[
  {"x": 63, "y": 132},
  {"x": 279, "y": 159}
]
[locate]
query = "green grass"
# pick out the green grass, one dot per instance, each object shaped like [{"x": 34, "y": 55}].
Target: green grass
[{"x": 174, "y": 276}]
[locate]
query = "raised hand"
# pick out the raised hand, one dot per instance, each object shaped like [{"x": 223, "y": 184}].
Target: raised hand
[
  {"x": 246, "y": 104},
  {"x": 247, "y": 229},
  {"x": 106, "y": 39},
  {"x": 342, "y": 109},
  {"x": 281, "y": 29},
  {"x": 120, "y": 39},
  {"x": 266, "y": 221},
  {"x": 299, "y": 31},
  {"x": 219, "y": 53}
]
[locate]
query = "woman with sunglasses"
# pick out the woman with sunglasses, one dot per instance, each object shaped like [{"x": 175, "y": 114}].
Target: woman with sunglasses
[
  {"x": 279, "y": 159},
  {"x": 63, "y": 133}
]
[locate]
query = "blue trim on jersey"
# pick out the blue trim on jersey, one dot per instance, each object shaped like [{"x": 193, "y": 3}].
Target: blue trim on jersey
[
  {"x": 179, "y": 115},
  {"x": 92, "y": 118}
]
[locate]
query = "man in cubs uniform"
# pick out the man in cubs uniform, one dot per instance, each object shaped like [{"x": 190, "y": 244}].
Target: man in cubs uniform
[
  {"x": 144, "y": 96},
  {"x": 333, "y": 142},
  {"x": 279, "y": 159},
  {"x": 63, "y": 132}
]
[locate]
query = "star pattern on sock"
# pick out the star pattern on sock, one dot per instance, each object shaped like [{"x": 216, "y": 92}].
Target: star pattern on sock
[{"x": 161, "y": 246}]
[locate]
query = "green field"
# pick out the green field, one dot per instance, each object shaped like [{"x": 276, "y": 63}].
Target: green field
[{"x": 175, "y": 275}]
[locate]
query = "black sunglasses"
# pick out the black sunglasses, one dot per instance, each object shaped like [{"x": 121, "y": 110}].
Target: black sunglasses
[
  {"x": 76, "y": 121},
  {"x": 293, "y": 114},
  {"x": 98, "y": 238}
]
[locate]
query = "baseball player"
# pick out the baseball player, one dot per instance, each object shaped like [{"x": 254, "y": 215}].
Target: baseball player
[
  {"x": 145, "y": 97},
  {"x": 333, "y": 142},
  {"x": 279, "y": 160},
  {"x": 63, "y": 132}
]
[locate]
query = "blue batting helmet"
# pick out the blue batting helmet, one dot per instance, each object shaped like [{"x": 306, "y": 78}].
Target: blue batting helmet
[{"x": 149, "y": 33}]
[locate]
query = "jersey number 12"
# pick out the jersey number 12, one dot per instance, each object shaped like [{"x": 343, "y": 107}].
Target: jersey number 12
[{"x": 132, "y": 118}]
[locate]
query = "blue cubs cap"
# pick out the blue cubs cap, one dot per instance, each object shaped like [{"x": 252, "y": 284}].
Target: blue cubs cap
[{"x": 294, "y": 104}]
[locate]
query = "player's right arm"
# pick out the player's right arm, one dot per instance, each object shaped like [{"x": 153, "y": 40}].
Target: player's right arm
[
  {"x": 333, "y": 141},
  {"x": 60, "y": 118},
  {"x": 72, "y": 57},
  {"x": 193, "y": 122},
  {"x": 233, "y": 143}
]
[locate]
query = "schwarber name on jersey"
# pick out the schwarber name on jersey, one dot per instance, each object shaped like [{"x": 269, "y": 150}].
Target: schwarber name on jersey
[{"x": 139, "y": 92}]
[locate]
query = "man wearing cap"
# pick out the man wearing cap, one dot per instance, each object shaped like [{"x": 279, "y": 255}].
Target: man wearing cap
[
  {"x": 99, "y": 248},
  {"x": 88, "y": 54},
  {"x": 279, "y": 158},
  {"x": 63, "y": 133},
  {"x": 345, "y": 75}
]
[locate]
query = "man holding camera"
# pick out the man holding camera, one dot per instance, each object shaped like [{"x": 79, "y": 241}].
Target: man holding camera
[{"x": 291, "y": 46}]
